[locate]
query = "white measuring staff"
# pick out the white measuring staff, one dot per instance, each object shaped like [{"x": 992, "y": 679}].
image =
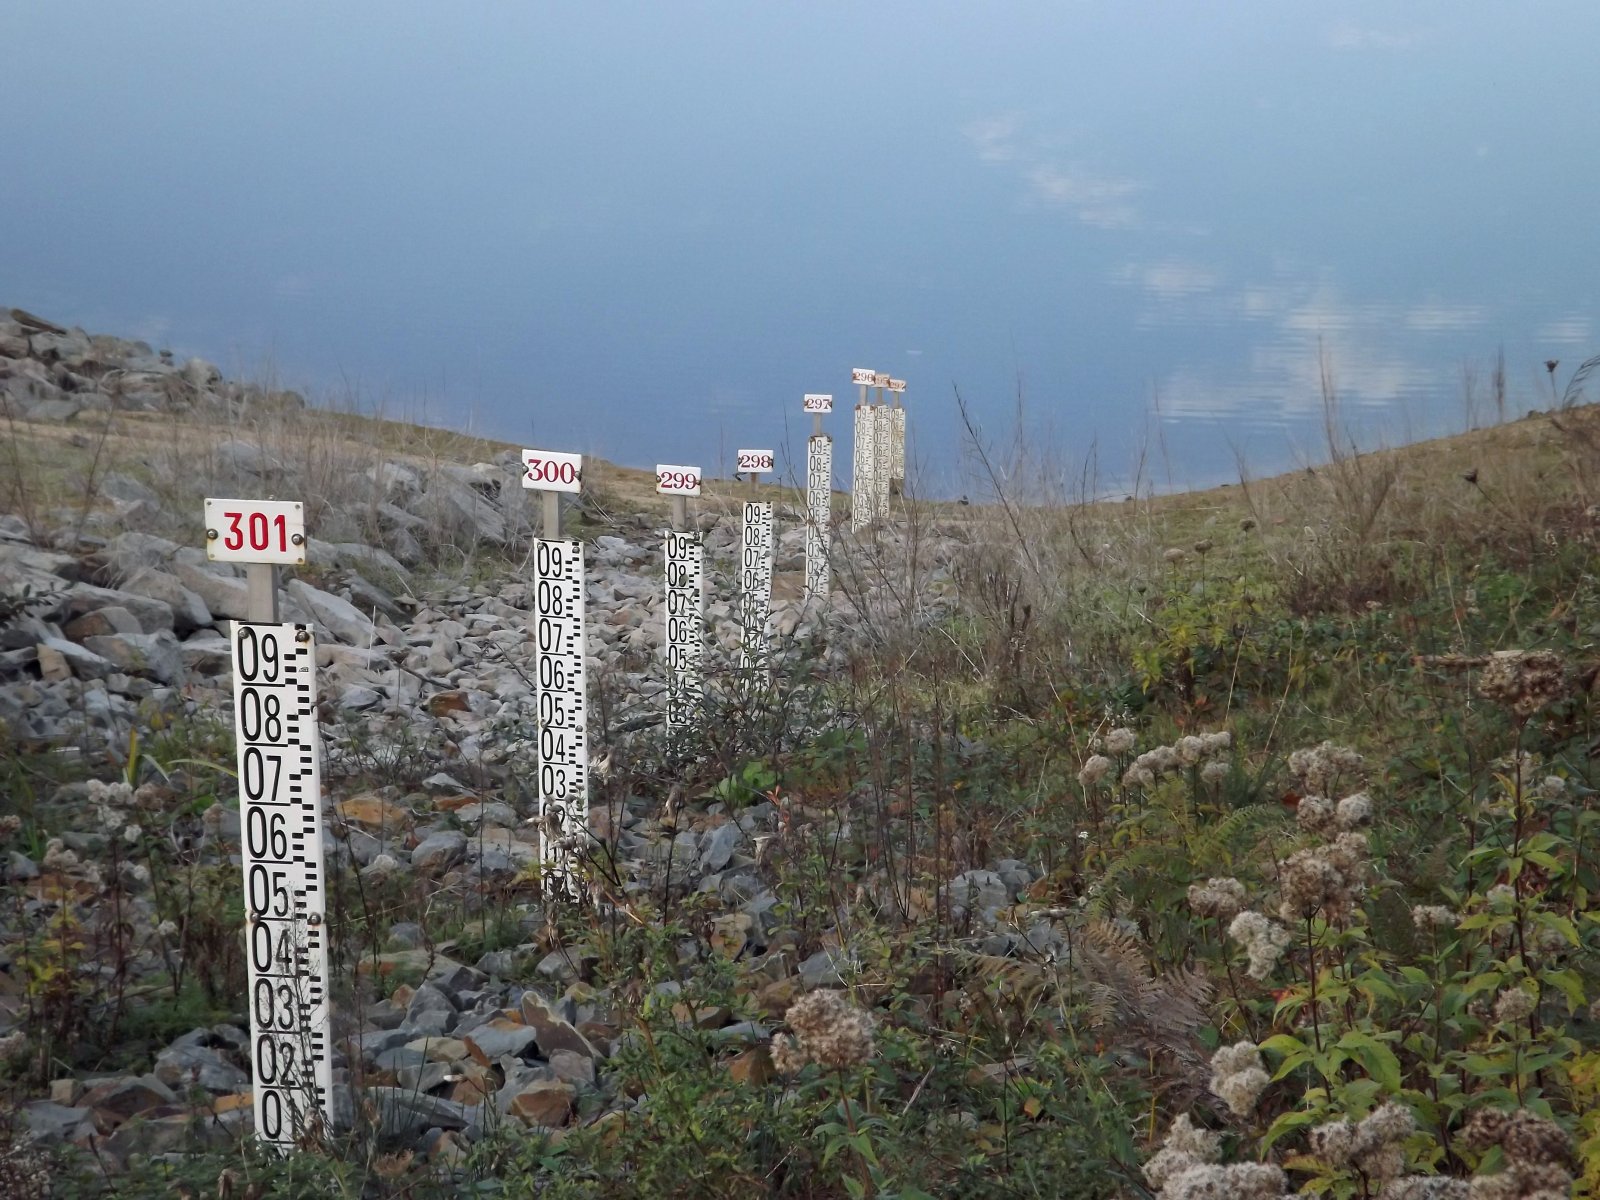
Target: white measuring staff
[
  {"x": 863, "y": 475},
  {"x": 756, "y": 544},
  {"x": 819, "y": 497},
  {"x": 685, "y": 599},
  {"x": 897, "y": 452},
  {"x": 560, "y": 671},
  {"x": 280, "y": 819},
  {"x": 884, "y": 432}
]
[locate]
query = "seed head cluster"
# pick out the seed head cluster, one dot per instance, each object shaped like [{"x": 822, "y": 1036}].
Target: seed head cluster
[
  {"x": 1238, "y": 1077},
  {"x": 1319, "y": 815},
  {"x": 1096, "y": 768},
  {"x": 1221, "y": 898},
  {"x": 1186, "y": 1168},
  {"x": 101, "y": 792},
  {"x": 1523, "y": 681},
  {"x": 10, "y": 826},
  {"x": 1537, "y": 1151},
  {"x": 1325, "y": 879},
  {"x": 1434, "y": 916},
  {"x": 1372, "y": 1146},
  {"x": 828, "y": 1030},
  {"x": 1120, "y": 740},
  {"x": 1187, "y": 752},
  {"x": 1263, "y": 939},
  {"x": 1321, "y": 769},
  {"x": 1513, "y": 1005}
]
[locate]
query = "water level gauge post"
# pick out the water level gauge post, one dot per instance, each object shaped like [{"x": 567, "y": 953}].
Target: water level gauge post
[
  {"x": 278, "y": 763},
  {"x": 560, "y": 676}
]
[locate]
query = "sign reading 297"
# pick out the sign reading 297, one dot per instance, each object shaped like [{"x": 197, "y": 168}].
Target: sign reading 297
[{"x": 256, "y": 531}]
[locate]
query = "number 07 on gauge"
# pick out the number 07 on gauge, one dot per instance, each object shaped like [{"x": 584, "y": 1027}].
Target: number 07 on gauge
[{"x": 256, "y": 531}]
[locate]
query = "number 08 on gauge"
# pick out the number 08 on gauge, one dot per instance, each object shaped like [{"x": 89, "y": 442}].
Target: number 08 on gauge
[{"x": 256, "y": 531}]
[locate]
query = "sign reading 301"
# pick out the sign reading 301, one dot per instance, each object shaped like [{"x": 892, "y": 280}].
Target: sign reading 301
[
  {"x": 677, "y": 481},
  {"x": 552, "y": 471},
  {"x": 256, "y": 531}
]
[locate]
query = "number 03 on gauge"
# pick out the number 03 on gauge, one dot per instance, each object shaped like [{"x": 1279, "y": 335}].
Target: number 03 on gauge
[{"x": 256, "y": 531}]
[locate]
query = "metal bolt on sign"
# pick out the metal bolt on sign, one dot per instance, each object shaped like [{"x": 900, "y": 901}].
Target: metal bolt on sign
[
  {"x": 280, "y": 817},
  {"x": 560, "y": 673}
]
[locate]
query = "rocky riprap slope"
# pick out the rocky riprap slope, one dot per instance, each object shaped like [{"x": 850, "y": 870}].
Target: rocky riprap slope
[{"x": 107, "y": 628}]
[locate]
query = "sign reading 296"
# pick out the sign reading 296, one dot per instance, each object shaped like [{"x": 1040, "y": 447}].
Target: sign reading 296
[{"x": 256, "y": 531}]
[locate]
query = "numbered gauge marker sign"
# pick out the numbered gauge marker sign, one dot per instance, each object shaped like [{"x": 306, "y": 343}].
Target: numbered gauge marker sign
[
  {"x": 864, "y": 475},
  {"x": 816, "y": 402},
  {"x": 552, "y": 471},
  {"x": 561, "y": 695},
  {"x": 256, "y": 531},
  {"x": 686, "y": 620},
  {"x": 881, "y": 379},
  {"x": 285, "y": 899},
  {"x": 819, "y": 514},
  {"x": 755, "y": 582},
  {"x": 897, "y": 385},
  {"x": 863, "y": 376},
  {"x": 677, "y": 481},
  {"x": 756, "y": 461}
]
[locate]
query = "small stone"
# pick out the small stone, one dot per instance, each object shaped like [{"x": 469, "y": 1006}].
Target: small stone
[
  {"x": 490, "y": 1042},
  {"x": 436, "y": 854},
  {"x": 753, "y": 1067},
  {"x": 547, "y": 1102}
]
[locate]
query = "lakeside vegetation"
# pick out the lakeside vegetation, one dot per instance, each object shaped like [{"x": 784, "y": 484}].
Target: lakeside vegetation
[{"x": 1297, "y": 780}]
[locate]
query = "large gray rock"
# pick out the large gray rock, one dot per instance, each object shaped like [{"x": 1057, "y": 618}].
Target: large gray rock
[
  {"x": 981, "y": 892},
  {"x": 157, "y": 655},
  {"x": 60, "y": 659},
  {"x": 183, "y": 1066},
  {"x": 152, "y": 614},
  {"x": 227, "y": 596},
  {"x": 392, "y": 479},
  {"x": 189, "y": 610},
  {"x": 403, "y": 1113},
  {"x": 134, "y": 550},
  {"x": 207, "y": 655},
  {"x": 241, "y": 458},
  {"x": 50, "y": 1122},
  {"x": 62, "y": 409},
  {"x": 343, "y": 620},
  {"x": 102, "y": 622},
  {"x": 439, "y": 852},
  {"x": 458, "y": 507}
]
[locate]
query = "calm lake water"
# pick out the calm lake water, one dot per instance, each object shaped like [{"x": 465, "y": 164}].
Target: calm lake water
[{"x": 645, "y": 233}]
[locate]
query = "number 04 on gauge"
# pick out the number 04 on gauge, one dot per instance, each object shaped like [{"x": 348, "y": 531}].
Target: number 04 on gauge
[{"x": 256, "y": 531}]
